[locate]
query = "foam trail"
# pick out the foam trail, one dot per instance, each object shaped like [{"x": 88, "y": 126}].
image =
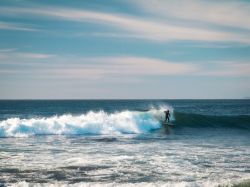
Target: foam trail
[{"x": 90, "y": 123}]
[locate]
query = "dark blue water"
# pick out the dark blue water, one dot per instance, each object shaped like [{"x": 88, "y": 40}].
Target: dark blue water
[
  {"x": 123, "y": 142},
  {"x": 46, "y": 108}
]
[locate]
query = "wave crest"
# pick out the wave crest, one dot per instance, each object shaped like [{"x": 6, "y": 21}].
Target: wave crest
[{"x": 124, "y": 122}]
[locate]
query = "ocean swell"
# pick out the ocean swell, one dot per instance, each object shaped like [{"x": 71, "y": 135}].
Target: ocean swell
[{"x": 183, "y": 120}]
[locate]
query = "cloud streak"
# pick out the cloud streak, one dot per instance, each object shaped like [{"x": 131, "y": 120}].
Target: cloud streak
[
  {"x": 97, "y": 68},
  {"x": 139, "y": 66},
  {"x": 229, "y": 69},
  {"x": 34, "y": 55},
  {"x": 8, "y": 50},
  {"x": 223, "y": 13},
  {"x": 150, "y": 29},
  {"x": 92, "y": 67},
  {"x": 12, "y": 56},
  {"x": 16, "y": 26}
]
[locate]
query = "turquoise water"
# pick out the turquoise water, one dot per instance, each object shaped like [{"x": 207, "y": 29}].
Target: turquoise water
[{"x": 122, "y": 142}]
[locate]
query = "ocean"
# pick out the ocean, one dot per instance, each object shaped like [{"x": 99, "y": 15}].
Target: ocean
[{"x": 123, "y": 143}]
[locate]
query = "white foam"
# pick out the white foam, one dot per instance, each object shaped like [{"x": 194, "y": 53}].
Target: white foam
[
  {"x": 142, "y": 184},
  {"x": 89, "y": 123}
]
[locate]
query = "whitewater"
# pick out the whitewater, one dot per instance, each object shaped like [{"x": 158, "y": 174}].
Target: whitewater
[
  {"x": 125, "y": 122},
  {"x": 123, "y": 143}
]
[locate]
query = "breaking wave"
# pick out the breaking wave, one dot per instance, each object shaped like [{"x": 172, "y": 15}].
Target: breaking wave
[
  {"x": 93, "y": 123},
  {"x": 123, "y": 122}
]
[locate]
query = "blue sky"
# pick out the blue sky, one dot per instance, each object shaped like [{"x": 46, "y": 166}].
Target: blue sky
[{"x": 124, "y": 49}]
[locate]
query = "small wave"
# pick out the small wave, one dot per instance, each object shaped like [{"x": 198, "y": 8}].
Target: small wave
[{"x": 93, "y": 123}]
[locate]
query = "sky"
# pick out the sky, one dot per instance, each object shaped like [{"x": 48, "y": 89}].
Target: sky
[{"x": 126, "y": 49}]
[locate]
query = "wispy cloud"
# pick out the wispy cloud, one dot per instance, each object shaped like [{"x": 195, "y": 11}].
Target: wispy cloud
[
  {"x": 97, "y": 68},
  {"x": 34, "y": 55},
  {"x": 224, "y": 13},
  {"x": 112, "y": 35},
  {"x": 127, "y": 65},
  {"x": 151, "y": 29},
  {"x": 16, "y": 26},
  {"x": 93, "y": 67},
  {"x": 13, "y": 56},
  {"x": 7, "y": 50},
  {"x": 229, "y": 69}
]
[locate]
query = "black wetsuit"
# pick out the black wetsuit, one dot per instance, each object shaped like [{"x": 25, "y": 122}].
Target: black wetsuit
[{"x": 167, "y": 116}]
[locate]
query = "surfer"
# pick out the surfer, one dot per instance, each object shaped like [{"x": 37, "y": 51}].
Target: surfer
[{"x": 167, "y": 116}]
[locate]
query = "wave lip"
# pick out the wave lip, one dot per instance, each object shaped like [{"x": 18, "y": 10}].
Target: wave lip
[{"x": 124, "y": 122}]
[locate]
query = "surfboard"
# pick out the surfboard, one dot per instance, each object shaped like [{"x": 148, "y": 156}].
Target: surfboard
[{"x": 167, "y": 124}]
